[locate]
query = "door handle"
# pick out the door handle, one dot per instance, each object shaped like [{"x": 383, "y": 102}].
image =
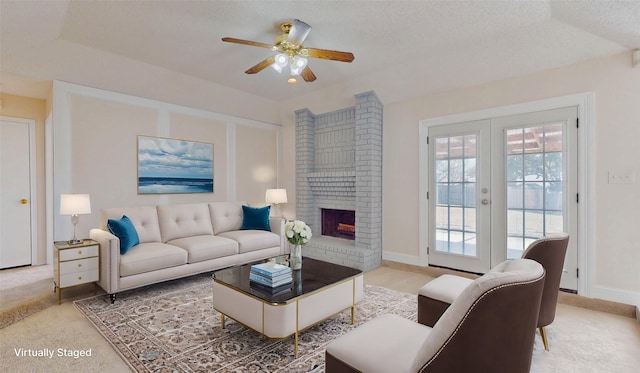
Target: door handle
[
  {"x": 485, "y": 201},
  {"x": 24, "y": 201}
]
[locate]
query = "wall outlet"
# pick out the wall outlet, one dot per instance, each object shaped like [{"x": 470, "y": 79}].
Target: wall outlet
[{"x": 621, "y": 177}]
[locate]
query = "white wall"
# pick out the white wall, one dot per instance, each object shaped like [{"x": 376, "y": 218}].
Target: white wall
[
  {"x": 614, "y": 273},
  {"x": 94, "y": 151}
]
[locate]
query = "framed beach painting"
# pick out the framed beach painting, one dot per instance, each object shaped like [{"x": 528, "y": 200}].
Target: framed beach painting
[{"x": 174, "y": 166}]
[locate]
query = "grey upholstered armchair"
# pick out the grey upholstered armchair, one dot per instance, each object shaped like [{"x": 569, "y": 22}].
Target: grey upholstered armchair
[{"x": 489, "y": 327}]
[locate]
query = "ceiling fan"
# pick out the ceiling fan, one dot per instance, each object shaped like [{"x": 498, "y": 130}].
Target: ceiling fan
[{"x": 290, "y": 51}]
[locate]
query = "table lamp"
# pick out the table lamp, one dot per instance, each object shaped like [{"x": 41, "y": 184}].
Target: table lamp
[
  {"x": 74, "y": 205},
  {"x": 275, "y": 197}
]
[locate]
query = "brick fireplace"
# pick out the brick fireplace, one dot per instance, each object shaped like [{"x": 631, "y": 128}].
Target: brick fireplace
[
  {"x": 339, "y": 168},
  {"x": 338, "y": 223}
]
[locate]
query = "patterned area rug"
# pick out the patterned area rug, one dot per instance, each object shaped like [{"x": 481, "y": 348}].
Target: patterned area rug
[{"x": 172, "y": 327}]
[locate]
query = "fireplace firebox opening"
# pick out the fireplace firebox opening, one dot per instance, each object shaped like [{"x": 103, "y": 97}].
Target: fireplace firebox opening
[{"x": 339, "y": 223}]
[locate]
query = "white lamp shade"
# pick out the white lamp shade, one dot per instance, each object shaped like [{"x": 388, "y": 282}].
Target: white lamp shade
[
  {"x": 281, "y": 60},
  {"x": 75, "y": 204},
  {"x": 276, "y": 196},
  {"x": 276, "y": 67},
  {"x": 297, "y": 65}
]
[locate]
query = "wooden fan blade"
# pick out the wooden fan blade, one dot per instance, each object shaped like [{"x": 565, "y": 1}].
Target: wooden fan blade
[
  {"x": 248, "y": 42},
  {"x": 299, "y": 31},
  {"x": 261, "y": 65},
  {"x": 308, "y": 75},
  {"x": 330, "y": 55}
]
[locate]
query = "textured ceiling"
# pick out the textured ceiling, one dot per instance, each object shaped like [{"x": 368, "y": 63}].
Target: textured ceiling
[{"x": 401, "y": 48}]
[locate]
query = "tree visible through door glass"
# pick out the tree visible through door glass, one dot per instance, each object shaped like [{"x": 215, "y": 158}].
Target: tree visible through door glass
[
  {"x": 534, "y": 178},
  {"x": 455, "y": 194}
]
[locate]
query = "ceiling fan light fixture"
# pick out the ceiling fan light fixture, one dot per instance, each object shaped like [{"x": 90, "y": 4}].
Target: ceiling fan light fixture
[
  {"x": 281, "y": 60},
  {"x": 297, "y": 65},
  {"x": 276, "y": 67},
  {"x": 290, "y": 51}
]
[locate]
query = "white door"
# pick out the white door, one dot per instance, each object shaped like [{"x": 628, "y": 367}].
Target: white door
[
  {"x": 501, "y": 183},
  {"x": 460, "y": 178},
  {"x": 536, "y": 184},
  {"x": 15, "y": 196}
]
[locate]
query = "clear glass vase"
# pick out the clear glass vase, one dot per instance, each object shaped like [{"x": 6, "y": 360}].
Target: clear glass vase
[{"x": 295, "y": 261}]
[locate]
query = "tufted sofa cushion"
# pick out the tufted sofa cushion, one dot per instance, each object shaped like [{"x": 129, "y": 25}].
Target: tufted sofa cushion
[
  {"x": 226, "y": 216},
  {"x": 206, "y": 247},
  {"x": 251, "y": 240},
  {"x": 179, "y": 240},
  {"x": 184, "y": 220},
  {"x": 144, "y": 219},
  {"x": 148, "y": 257}
]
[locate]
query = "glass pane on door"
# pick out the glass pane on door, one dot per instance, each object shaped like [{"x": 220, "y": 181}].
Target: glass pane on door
[
  {"x": 534, "y": 177},
  {"x": 455, "y": 176}
]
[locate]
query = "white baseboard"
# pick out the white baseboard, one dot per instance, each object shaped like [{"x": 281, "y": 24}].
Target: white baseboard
[
  {"x": 405, "y": 259},
  {"x": 615, "y": 295},
  {"x": 599, "y": 292}
]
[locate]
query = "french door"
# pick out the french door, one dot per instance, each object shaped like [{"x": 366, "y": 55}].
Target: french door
[
  {"x": 460, "y": 177},
  {"x": 498, "y": 184}
]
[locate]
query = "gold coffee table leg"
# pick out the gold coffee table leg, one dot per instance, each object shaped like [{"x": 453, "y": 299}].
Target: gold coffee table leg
[{"x": 222, "y": 319}]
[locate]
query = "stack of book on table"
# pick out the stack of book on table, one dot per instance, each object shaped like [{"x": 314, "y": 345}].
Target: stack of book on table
[{"x": 271, "y": 277}]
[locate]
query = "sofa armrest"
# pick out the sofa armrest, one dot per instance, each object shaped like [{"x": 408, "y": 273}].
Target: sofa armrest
[
  {"x": 277, "y": 226},
  {"x": 109, "y": 259}
]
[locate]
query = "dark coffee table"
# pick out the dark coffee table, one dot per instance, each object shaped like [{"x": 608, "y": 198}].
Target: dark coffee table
[{"x": 319, "y": 291}]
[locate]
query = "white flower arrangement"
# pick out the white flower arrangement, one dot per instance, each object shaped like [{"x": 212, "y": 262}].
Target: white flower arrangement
[{"x": 297, "y": 232}]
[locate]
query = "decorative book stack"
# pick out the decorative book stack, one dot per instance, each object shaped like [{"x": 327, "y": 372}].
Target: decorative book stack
[{"x": 270, "y": 276}]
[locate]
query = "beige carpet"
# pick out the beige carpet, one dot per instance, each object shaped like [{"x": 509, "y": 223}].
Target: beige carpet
[
  {"x": 20, "y": 298},
  {"x": 582, "y": 340}
]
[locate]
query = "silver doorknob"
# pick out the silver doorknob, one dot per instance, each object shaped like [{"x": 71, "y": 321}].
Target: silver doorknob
[{"x": 485, "y": 201}]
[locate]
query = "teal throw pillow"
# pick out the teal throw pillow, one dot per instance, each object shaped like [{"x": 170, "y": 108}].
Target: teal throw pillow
[
  {"x": 125, "y": 231},
  {"x": 255, "y": 218}
]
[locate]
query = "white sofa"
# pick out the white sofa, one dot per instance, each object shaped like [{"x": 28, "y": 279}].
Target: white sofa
[{"x": 180, "y": 240}]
